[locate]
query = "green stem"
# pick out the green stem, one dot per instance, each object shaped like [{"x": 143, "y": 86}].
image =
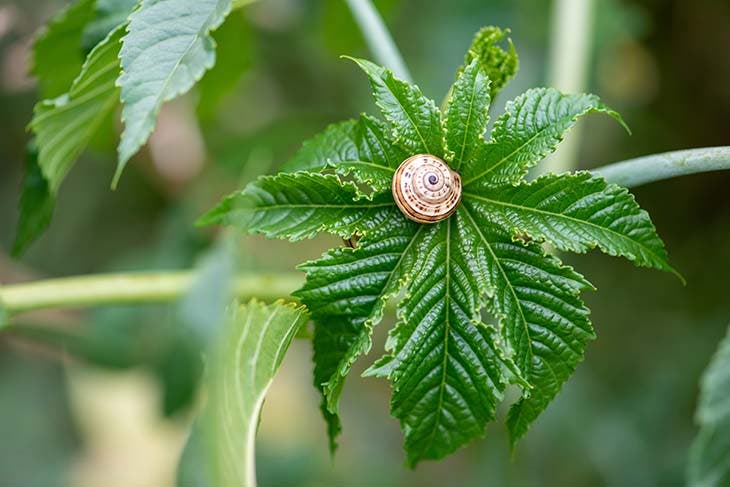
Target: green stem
[
  {"x": 378, "y": 38},
  {"x": 151, "y": 287},
  {"x": 656, "y": 167},
  {"x": 571, "y": 37},
  {"x": 143, "y": 287}
]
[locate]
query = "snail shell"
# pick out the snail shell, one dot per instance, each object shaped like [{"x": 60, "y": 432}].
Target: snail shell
[{"x": 425, "y": 189}]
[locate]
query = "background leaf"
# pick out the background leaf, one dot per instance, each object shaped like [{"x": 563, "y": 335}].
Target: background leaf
[
  {"x": 709, "y": 459},
  {"x": 108, "y": 15},
  {"x": 57, "y": 52},
  {"x": 167, "y": 49},
  {"x": 242, "y": 365},
  {"x": 36, "y": 203},
  {"x": 65, "y": 125}
]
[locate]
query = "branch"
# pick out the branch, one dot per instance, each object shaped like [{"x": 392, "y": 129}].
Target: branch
[
  {"x": 137, "y": 288},
  {"x": 378, "y": 38},
  {"x": 656, "y": 167}
]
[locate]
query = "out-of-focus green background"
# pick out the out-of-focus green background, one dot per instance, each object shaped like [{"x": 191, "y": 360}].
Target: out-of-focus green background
[{"x": 113, "y": 406}]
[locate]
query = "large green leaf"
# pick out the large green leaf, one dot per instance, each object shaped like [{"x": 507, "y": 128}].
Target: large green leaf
[
  {"x": 575, "y": 212},
  {"x": 357, "y": 148},
  {"x": 709, "y": 459},
  {"x": 414, "y": 119},
  {"x": 448, "y": 368},
  {"x": 300, "y": 205},
  {"x": 65, "y": 125},
  {"x": 57, "y": 52},
  {"x": 445, "y": 367},
  {"x": 241, "y": 367},
  {"x": 346, "y": 291},
  {"x": 167, "y": 49},
  {"x": 531, "y": 128},
  {"x": 467, "y": 115}
]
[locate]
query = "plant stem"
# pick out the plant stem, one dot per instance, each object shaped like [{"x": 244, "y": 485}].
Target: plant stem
[
  {"x": 378, "y": 38},
  {"x": 656, "y": 167},
  {"x": 571, "y": 39},
  {"x": 143, "y": 287}
]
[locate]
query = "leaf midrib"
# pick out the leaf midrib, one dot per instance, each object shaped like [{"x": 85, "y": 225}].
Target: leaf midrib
[{"x": 447, "y": 330}]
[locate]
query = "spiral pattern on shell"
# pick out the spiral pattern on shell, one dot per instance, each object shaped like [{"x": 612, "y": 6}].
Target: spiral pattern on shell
[{"x": 425, "y": 189}]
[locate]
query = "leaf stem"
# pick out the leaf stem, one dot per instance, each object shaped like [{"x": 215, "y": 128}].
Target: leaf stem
[
  {"x": 137, "y": 288},
  {"x": 656, "y": 167},
  {"x": 377, "y": 37}
]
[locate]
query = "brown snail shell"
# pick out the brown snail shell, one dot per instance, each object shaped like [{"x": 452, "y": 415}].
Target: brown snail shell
[{"x": 425, "y": 189}]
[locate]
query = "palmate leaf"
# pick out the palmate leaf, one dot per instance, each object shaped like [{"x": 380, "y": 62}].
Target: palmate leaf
[
  {"x": 167, "y": 49},
  {"x": 447, "y": 366}
]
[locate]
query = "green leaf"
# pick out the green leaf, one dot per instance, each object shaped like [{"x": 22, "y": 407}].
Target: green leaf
[
  {"x": 242, "y": 366},
  {"x": 447, "y": 366},
  {"x": 57, "y": 52},
  {"x": 467, "y": 115},
  {"x": 495, "y": 63},
  {"x": 361, "y": 149},
  {"x": 300, "y": 205},
  {"x": 414, "y": 119},
  {"x": 167, "y": 49},
  {"x": 36, "y": 203},
  {"x": 346, "y": 291},
  {"x": 531, "y": 128},
  {"x": 109, "y": 15},
  {"x": 576, "y": 213},
  {"x": 709, "y": 458},
  {"x": 234, "y": 55},
  {"x": 65, "y": 125}
]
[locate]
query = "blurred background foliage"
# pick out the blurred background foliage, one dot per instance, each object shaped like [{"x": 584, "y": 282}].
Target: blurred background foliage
[{"x": 105, "y": 397}]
